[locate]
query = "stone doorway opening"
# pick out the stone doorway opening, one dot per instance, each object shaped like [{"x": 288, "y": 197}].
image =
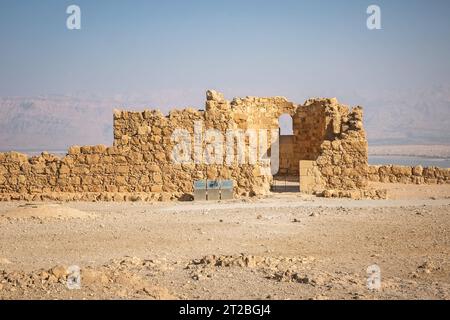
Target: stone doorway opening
[{"x": 286, "y": 180}]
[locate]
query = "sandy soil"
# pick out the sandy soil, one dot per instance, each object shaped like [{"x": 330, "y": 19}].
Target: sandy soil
[{"x": 286, "y": 246}]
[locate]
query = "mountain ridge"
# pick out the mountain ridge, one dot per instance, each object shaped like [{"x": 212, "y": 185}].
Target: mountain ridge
[{"x": 58, "y": 121}]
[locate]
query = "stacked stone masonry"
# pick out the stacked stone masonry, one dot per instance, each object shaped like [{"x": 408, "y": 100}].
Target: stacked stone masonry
[
  {"x": 288, "y": 159},
  {"x": 139, "y": 165},
  {"x": 407, "y": 174}
]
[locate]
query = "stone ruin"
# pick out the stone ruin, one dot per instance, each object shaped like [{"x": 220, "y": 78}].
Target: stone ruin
[{"x": 328, "y": 152}]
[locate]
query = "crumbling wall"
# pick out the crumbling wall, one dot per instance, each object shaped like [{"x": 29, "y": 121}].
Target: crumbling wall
[
  {"x": 85, "y": 173},
  {"x": 149, "y": 134},
  {"x": 139, "y": 165},
  {"x": 409, "y": 174},
  {"x": 288, "y": 159},
  {"x": 339, "y": 146},
  {"x": 310, "y": 127},
  {"x": 18, "y": 174}
]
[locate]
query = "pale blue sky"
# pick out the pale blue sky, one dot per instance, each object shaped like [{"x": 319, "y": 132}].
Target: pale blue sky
[{"x": 291, "y": 48}]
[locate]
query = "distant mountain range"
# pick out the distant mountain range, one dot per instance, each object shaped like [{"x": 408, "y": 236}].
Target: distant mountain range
[
  {"x": 419, "y": 117},
  {"x": 56, "y": 122},
  {"x": 53, "y": 122}
]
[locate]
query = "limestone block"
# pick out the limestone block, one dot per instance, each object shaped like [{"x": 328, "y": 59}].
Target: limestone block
[
  {"x": 336, "y": 145},
  {"x": 64, "y": 169},
  {"x": 401, "y": 170},
  {"x": 3, "y": 169},
  {"x": 99, "y": 149},
  {"x": 21, "y": 179},
  {"x": 160, "y": 156},
  {"x": 112, "y": 150},
  {"x": 144, "y": 130},
  {"x": 156, "y": 188},
  {"x": 417, "y": 170},
  {"x": 212, "y": 95},
  {"x": 157, "y": 177},
  {"x": 86, "y": 149},
  {"x": 156, "y": 131},
  {"x": 125, "y": 139},
  {"x": 92, "y": 159},
  {"x": 74, "y": 150},
  {"x": 154, "y": 168},
  {"x": 122, "y": 169},
  {"x": 121, "y": 180},
  {"x": 117, "y": 114}
]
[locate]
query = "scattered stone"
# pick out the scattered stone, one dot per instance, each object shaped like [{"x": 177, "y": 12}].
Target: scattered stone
[
  {"x": 60, "y": 272},
  {"x": 428, "y": 267},
  {"x": 291, "y": 276},
  {"x": 196, "y": 277},
  {"x": 91, "y": 277}
]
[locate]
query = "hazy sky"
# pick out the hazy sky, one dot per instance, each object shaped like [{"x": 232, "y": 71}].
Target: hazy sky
[{"x": 290, "y": 48}]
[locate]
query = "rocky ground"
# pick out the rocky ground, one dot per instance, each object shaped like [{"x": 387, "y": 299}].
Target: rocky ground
[{"x": 286, "y": 246}]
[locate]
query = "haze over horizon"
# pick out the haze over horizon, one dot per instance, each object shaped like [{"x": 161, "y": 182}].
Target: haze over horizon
[{"x": 59, "y": 86}]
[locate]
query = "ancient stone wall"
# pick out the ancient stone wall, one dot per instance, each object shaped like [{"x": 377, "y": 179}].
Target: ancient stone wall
[
  {"x": 140, "y": 163},
  {"x": 149, "y": 134},
  {"x": 310, "y": 178},
  {"x": 288, "y": 158},
  {"x": 342, "y": 155},
  {"x": 85, "y": 173},
  {"x": 408, "y": 174}
]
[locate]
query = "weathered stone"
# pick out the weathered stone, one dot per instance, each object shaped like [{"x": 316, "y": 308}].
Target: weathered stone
[
  {"x": 328, "y": 142},
  {"x": 60, "y": 272},
  {"x": 154, "y": 168},
  {"x": 156, "y": 188},
  {"x": 144, "y": 130},
  {"x": 214, "y": 96},
  {"x": 417, "y": 170},
  {"x": 74, "y": 150}
]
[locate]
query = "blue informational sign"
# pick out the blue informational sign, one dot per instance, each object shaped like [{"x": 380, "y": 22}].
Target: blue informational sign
[
  {"x": 213, "y": 189},
  {"x": 213, "y": 185},
  {"x": 226, "y": 184},
  {"x": 200, "y": 185}
]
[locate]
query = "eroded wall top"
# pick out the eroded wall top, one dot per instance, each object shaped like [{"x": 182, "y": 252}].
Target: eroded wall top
[{"x": 140, "y": 161}]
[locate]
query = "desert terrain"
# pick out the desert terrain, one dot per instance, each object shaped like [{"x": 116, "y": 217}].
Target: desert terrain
[{"x": 284, "y": 246}]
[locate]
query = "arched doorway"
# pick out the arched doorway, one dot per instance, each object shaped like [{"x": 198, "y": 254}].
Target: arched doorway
[{"x": 286, "y": 125}]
